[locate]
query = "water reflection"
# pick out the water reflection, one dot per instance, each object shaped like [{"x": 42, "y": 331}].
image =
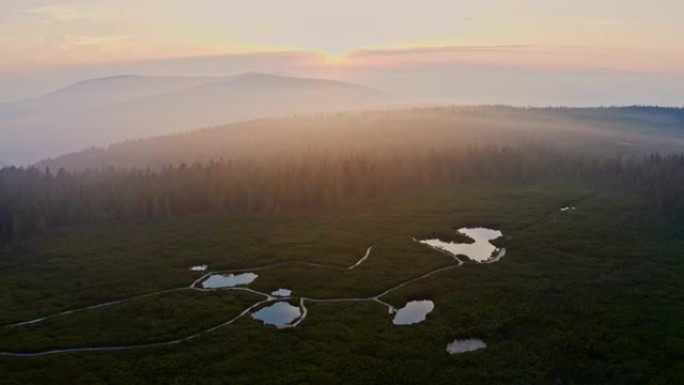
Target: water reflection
[
  {"x": 414, "y": 312},
  {"x": 217, "y": 281},
  {"x": 282, "y": 293},
  {"x": 463, "y": 346},
  {"x": 279, "y": 314},
  {"x": 480, "y": 250}
]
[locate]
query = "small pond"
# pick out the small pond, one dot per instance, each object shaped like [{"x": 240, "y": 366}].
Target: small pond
[
  {"x": 282, "y": 293},
  {"x": 279, "y": 314},
  {"x": 480, "y": 250},
  {"x": 464, "y": 346},
  {"x": 218, "y": 281},
  {"x": 199, "y": 268},
  {"x": 414, "y": 312}
]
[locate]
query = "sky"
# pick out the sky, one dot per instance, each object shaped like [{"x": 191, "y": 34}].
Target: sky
[{"x": 39, "y": 40}]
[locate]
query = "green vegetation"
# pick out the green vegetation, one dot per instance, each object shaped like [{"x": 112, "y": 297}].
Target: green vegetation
[
  {"x": 601, "y": 132},
  {"x": 586, "y": 296},
  {"x": 144, "y": 320},
  {"x": 33, "y": 202},
  {"x": 591, "y": 296}
]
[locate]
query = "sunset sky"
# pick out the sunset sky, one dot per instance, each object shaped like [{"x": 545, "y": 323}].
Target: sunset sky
[
  {"x": 510, "y": 52},
  {"x": 626, "y": 34}
]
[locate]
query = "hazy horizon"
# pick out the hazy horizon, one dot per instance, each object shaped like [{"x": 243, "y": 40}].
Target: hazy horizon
[
  {"x": 466, "y": 84},
  {"x": 341, "y": 192},
  {"x": 527, "y": 53},
  {"x": 512, "y": 52}
]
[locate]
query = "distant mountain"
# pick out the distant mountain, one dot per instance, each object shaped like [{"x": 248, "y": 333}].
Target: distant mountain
[
  {"x": 102, "y": 111},
  {"x": 96, "y": 93},
  {"x": 598, "y": 131}
]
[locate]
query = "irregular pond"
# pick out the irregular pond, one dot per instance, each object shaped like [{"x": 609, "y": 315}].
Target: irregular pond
[
  {"x": 282, "y": 293},
  {"x": 567, "y": 208},
  {"x": 480, "y": 250},
  {"x": 414, "y": 312},
  {"x": 199, "y": 268},
  {"x": 497, "y": 258},
  {"x": 464, "y": 346},
  {"x": 279, "y": 314},
  {"x": 217, "y": 281}
]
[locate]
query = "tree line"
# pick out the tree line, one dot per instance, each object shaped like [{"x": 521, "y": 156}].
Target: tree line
[{"x": 34, "y": 201}]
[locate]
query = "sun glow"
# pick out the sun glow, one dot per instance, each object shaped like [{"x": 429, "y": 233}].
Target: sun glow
[{"x": 335, "y": 58}]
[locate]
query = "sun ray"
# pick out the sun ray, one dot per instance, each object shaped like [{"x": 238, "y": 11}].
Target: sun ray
[{"x": 335, "y": 58}]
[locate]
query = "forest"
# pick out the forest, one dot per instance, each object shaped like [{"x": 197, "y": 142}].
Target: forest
[
  {"x": 589, "y": 290},
  {"x": 341, "y": 192},
  {"x": 597, "y": 132},
  {"x": 34, "y": 201}
]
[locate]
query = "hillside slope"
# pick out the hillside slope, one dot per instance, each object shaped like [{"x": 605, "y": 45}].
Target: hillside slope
[
  {"x": 599, "y": 131},
  {"x": 103, "y": 111}
]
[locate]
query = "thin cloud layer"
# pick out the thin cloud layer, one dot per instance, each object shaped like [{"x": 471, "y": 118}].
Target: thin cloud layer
[
  {"x": 59, "y": 12},
  {"x": 167, "y": 28}
]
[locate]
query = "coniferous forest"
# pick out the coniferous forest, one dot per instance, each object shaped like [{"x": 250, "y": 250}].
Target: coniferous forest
[
  {"x": 96, "y": 253},
  {"x": 350, "y": 192},
  {"x": 34, "y": 201}
]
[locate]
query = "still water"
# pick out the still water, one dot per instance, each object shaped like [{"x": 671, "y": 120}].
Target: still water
[
  {"x": 278, "y": 314},
  {"x": 414, "y": 312},
  {"x": 481, "y": 250},
  {"x": 218, "y": 281}
]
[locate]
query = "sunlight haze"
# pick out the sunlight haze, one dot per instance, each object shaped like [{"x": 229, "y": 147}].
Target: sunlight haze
[
  {"x": 609, "y": 33},
  {"x": 387, "y": 192}
]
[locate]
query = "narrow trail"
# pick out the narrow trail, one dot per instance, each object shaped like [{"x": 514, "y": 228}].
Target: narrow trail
[
  {"x": 96, "y": 306},
  {"x": 192, "y": 286},
  {"x": 553, "y": 214},
  {"x": 264, "y": 267},
  {"x": 268, "y": 297},
  {"x": 410, "y": 281},
  {"x": 140, "y": 346},
  {"x": 368, "y": 251},
  {"x": 305, "y": 312}
]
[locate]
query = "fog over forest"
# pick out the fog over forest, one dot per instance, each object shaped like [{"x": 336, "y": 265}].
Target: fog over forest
[{"x": 374, "y": 192}]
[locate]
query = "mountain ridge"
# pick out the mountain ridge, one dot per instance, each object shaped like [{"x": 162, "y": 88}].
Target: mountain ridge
[
  {"x": 101, "y": 111},
  {"x": 622, "y": 131}
]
